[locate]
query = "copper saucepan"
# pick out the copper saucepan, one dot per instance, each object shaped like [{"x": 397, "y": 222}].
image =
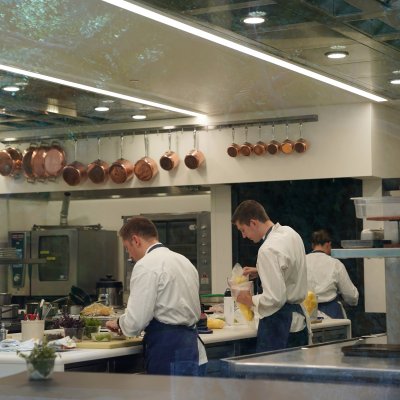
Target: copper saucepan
[
  {"x": 98, "y": 170},
  {"x": 246, "y": 148},
  {"x": 287, "y": 145},
  {"x": 121, "y": 170},
  {"x": 54, "y": 160},
  {"x": 76, "y": 172},
  {"x": 10, "y": 162},
  {"x": 301, "y": 145},
  {"x": 169, "y": 160},
  {"x": 195, "y": 158},
  {"x": 260, "y": 147},
  {"x": 233, "y": 149},
  {"x": 146, "y": 168}
]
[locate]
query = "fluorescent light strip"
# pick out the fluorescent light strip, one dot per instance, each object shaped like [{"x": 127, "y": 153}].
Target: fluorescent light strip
[
  {"x": 238, "y": 47},
  {"x": 121, "y": 96}
]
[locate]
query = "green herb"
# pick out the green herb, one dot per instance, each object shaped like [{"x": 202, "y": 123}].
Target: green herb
[
  {"x": 102, "y": 337},
  {"x": 91, "y": 322},
  {"x": 67, "y": 321}
]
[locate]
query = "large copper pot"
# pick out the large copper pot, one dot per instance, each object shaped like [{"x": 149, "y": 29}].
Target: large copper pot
[
  {"x": 27, "y": 162},
  {"x": 55, "y": 160},
  {"x": 37, "y": 161},
  {"x": 10, "y": 162}
]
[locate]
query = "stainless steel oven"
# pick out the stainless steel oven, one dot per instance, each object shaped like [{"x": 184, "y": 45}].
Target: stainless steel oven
[
  {"x": 77, "y": 256},
  {"x": 188, "y": 234}
]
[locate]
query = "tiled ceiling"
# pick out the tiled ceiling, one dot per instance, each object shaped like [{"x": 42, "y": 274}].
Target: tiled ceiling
[{"x": 96, "y": 44}]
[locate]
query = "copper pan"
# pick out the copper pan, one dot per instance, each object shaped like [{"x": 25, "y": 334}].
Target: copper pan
[
  {"x": 122, "y": 170},
  {"x": 233, "y": 149},
  {"x": 37, "y": 162},
  {"x": 55, "y": 160},
  {"x": 27, "y": 162},
  {"x": 260, "y": 147},
  {"x": 76, "y": 172},
  {"x": 246, "y": 148},
  {"x": 10, "y": 162},
  {"x": 301, "y": 145},
  {"x": 169, "y": 160},
  {"x": 146, "y": 168},
  {"x": 287, "y": 145},
  {"x": 273, "y": 147},
  {"x": 195, "y": 158},
  {"x": 98, "y": 170}
]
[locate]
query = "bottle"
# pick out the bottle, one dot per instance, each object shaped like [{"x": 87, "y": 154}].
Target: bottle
[
  {"x": 3, "y": 332},
  {"x": 229, "y": 307}
]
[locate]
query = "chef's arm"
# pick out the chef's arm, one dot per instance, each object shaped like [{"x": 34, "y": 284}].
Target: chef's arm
[{"x": 251, "y": 271}]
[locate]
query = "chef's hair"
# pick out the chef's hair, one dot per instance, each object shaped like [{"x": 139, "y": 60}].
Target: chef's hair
[
  {"x": 248, "y": 210},
  {"x": 139, "y": 226},
  {"x": 320, "y": 237}
]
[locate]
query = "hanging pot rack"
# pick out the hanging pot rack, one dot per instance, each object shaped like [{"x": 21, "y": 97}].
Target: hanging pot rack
[{"x": 299, "y": 119}]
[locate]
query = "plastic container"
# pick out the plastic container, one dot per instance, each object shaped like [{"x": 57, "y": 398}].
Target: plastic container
[{"x": 370, "y": 207}]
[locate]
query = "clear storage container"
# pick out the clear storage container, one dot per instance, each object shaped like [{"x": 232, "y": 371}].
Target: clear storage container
[{"x": 370, "y": 207}]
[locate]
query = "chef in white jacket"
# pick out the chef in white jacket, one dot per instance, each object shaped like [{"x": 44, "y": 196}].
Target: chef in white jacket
[
  {"x": 327, "y": 277},
  {"x": 163, "y": 301}
]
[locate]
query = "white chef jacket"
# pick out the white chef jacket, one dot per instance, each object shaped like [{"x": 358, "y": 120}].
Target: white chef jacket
[
  {"x": 281, "y": 266},
  {"x": 163, "y": 285},
  {"x": 327, "y": 277}
]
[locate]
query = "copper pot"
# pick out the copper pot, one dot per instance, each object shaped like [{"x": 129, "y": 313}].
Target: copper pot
[
  {"x": 194, "y": 159},
  {"x": 54, "y": 160},
  {"x": 121, "y": 171},
  {"x": 260, "y": 148},
  {"x": 37, "y": 161},
  {"x": 98, "y": 171},
  {"x": 246, "y": 149},
  {"x": 233, "y": 150},
  {"x": 145, "y": 169},
  {"x": 273, "y": 147},
  {"x": 10, "y": 162},
  {"x": 301, "y": 145},
  {"x": 75, "y": 173},
  {"x": 287, "y": 145},
  {"x": 169, "y": 160},
  {"x": 27, "y": 162}
]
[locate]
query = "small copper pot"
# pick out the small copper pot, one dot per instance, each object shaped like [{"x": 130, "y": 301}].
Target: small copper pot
[
  {"x": 246, "y": 149},
  {"x": 98, "y": 171},
  {"x": 301, "y": 145},
  {"x": 273, "y": 147},
  {"x": 75, "y": 173},
  {"x": 259, "y": 148},
  {"x": 121, "y": 171},
  {"x": 287, "y": 145},
  {"x": 194, "y": 159},
  {"x": 145, "y": 169},
  {"x": 10, "y": 162},
  {"x": 233, "y": 150},
  {"x": 169, "y": 160}
]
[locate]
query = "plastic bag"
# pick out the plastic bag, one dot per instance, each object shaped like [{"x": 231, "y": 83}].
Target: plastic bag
[
  {"x": 311, "y": 305},
  {"x": 237, "y": 283}
]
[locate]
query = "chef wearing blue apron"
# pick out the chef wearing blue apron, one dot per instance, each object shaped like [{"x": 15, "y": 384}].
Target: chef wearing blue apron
[
  {"x": 281, "y": 267},
  {"x": 163, "y": 302}
]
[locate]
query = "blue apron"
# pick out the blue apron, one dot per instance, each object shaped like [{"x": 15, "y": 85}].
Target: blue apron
[
  {"x": 332, "y": 309},
  {"x": 274, "y": 331},
  {"x": 170, "y": 349}
]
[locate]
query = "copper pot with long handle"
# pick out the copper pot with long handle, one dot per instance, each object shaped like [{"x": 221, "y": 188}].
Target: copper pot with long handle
[
  {"x": 301, "y": 145},
  {"x": 287, "y": 145},
  {"x": 98, "y": 170},
  {"x": 121, "y": 170},
  {"x": 146, "y": 168},
  {"x": 195, "y": 158},
  {"x": 233, "y": 149},
  {"x": 169, "y": 160},
  {"x": 10, "y": 162},
  {"x": 54, "y": 160},
  {"x": 76, "y": 172},
  {"x": 260, "y": 147},
  {"x": 273, "y": 147}
]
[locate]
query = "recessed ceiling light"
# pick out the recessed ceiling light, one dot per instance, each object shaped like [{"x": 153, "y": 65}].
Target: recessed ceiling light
[
  {"x": 395, "y": 81},
  {"x": 108, "y": 101},
  {"x": 11, "y": 88},
  {"x": 169, "y": 127},
  {"x": 255, "y": 17},
  {"x": 175, "y": 23},
  {"x": 139, "y": 116},
  {"x": 336, "y": 54},
  {"x": 102, "y": 109}
]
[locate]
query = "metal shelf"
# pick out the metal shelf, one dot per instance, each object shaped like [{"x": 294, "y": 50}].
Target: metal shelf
[
  {"x": 7, "y": 261},
  {"x": 376, "y": 252}
]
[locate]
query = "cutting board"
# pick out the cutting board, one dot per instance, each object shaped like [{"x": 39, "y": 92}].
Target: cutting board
[{"x": 112, "y": 344}]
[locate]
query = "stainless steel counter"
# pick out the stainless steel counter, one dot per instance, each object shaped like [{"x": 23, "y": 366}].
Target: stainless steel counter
[
  {"x": 319, "y": 363},
  {"x": 88, "y": 386}
]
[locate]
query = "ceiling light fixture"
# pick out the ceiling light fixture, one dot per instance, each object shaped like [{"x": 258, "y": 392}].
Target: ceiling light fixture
[
  {"x": 395, "y": 81},
  {"x": 337, "y": 54},
  {"x": 139, "y": 116},
  {"x": 102, "y": 109},
  {"x": 11, "y": 88},
  {"x": 169, "y": 127},
  {"x": 255, "y": 17},
  {"x": 185, "y": 27},
  {"x": 103, "y": 92}
]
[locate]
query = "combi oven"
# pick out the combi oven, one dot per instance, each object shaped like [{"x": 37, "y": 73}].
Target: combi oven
[
  {"x": 188, "y": 234},
  {"x": 76, "y": 255}
]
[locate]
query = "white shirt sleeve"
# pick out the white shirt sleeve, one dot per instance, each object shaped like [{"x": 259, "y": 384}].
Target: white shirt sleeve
[{"x": 345, "y": 286}]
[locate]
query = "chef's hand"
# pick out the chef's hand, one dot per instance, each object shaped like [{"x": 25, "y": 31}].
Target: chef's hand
[
  {"x": 113, "y": 326},
  {"x": 251, "y": 271},
  {"x": 244, "y": 297}
]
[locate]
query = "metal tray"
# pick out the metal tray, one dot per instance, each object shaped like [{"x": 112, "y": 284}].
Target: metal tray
[{"x": 372, "y": 350}]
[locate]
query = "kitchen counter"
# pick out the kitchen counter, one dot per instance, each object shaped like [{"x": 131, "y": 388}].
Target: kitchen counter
[
  {"x": 320, "y": 363},
  {"x": 10, "y": 363},
  {"x": 88, "y": 386}
]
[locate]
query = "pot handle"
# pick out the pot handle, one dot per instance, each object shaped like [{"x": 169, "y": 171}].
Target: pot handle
[
  {"x": 169, "y": 141},
  {"x": 121, "y": 145},
  {"x": 146, "y": 145}
]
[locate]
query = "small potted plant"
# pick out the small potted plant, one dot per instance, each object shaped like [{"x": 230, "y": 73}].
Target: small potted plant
[
  {"x": 92, "y": 325},
  {"x": 40, "y": 361},
  {"x": 73, "y": 326}
]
